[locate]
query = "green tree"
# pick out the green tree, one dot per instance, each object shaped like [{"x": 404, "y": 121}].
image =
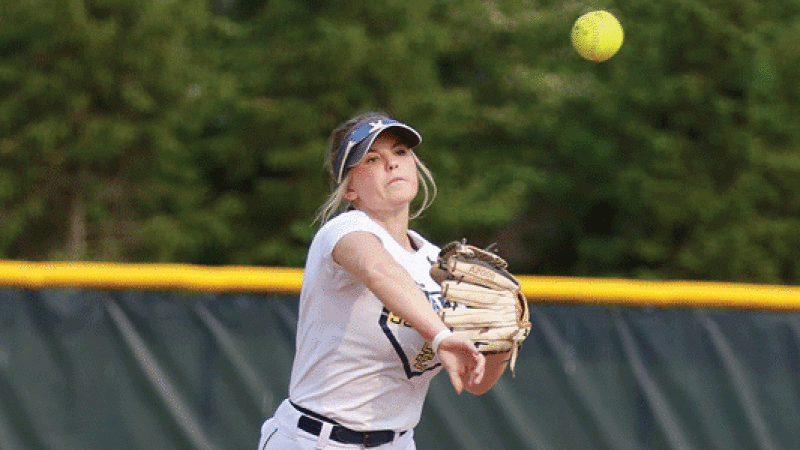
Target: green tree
[
  {"x": 105, "y": 102},
  {"x": 706, "y": 188},
  {"x": 195, "y": 132}
]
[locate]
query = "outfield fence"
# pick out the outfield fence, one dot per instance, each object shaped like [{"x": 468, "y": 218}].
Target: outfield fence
[
  {"x": 278, "y": 280},
  {"x": 144, "y": 356}
]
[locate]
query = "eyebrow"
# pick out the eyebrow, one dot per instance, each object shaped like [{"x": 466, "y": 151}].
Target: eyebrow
[{"x": 399, "y": 144}]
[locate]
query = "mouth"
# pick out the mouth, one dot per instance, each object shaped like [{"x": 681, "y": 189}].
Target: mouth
[{"x": 398, "y": 180}]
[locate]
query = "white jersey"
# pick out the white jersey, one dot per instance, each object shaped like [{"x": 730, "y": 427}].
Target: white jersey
[{"x": 356, "y": 362}]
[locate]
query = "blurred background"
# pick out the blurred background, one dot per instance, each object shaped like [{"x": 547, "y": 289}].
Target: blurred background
[{"x": 194, "y": 131}]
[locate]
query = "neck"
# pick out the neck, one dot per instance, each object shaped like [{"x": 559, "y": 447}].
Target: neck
[{"x": 396, "y": 223}]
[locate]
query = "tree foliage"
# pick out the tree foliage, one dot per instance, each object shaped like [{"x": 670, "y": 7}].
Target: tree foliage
[{"x": 194, "y": 131}]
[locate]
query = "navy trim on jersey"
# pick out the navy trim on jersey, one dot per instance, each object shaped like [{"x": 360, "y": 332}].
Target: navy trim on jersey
[
  {"x": 384, "y": 323},
  {"x": 269, "y": 439}
]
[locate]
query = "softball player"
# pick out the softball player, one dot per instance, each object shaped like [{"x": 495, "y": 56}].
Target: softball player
[{"x": 368, "y": 336}]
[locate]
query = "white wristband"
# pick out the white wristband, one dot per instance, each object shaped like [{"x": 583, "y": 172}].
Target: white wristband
[{"x": 437, "y": 340}]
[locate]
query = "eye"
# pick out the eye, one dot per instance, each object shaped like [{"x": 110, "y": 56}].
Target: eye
[
  {"x": 371, "y": 158},
  {"x": 401, "y": 151}
]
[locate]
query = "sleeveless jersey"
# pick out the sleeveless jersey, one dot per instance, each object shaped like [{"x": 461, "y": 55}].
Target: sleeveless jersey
[{"x": 356, "y": 362}]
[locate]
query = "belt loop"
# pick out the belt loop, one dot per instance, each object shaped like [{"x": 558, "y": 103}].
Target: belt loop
[{"x": 324, "y": 436}]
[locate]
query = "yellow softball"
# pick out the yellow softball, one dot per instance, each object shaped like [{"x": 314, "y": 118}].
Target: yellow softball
[{"x": 597, "y": 35}]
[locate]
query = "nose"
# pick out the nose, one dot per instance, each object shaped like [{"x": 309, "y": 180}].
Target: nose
[{"x": 391, "y": 162}]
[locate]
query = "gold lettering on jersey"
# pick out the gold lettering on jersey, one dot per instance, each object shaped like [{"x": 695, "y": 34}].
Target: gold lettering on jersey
[
  {"x": 425, "y": 356},
  {"x": 397, "y": 321}
]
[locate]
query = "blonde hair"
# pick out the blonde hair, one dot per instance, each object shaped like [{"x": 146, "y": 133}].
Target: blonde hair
[{"x": 336, "y": 202}]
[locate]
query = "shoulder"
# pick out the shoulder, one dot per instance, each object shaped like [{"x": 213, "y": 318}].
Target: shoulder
[
  {"x": 348, "y": 222},
  {"x": 345, "y": 223}
]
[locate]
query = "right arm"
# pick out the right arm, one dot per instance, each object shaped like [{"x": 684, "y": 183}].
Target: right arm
[{"x": 362, "y": 254}]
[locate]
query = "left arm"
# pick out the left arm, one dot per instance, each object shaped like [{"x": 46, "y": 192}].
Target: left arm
[{"x": 495, "y": 366}]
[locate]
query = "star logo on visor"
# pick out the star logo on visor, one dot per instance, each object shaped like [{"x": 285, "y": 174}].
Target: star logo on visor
[{"x": 376, "y": 126}]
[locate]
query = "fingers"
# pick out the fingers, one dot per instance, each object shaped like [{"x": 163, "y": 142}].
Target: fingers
[
  {"x": 463, "y": 362},
  {"x": 454, "y": 367},
  {"x": 480, "y": 369},
  {"x": 456, "y": 381},
  {"x": 473, "y": 372}
]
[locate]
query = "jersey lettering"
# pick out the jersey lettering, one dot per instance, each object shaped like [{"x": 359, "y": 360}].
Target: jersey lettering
[
  {"x": 397, "y": 321},
  {"x": 413, "y": 364},
  {"x": 424, "y": 357}
]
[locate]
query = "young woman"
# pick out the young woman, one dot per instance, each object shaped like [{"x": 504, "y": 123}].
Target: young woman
[{"x": 369, "y": 339}]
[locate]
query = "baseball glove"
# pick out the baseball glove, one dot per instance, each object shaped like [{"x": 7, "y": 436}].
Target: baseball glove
[{"x": 483, "y": 300}]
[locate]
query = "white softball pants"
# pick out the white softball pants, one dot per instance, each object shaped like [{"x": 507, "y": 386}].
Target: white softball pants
[{"x": 280, "y": 432}]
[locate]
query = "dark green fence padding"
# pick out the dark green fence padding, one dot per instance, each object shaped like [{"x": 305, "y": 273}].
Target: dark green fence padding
[{"x": 86, "y": 369}]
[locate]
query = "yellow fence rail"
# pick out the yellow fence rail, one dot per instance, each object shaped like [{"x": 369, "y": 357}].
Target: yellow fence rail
[
  {"x": 248, "y": 279},
  {"x": 181, "y": 277},
  {"x": 662, "y": 294}
]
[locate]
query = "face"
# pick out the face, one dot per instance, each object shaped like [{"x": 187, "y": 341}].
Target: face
[{"x": 386, "y": 178}]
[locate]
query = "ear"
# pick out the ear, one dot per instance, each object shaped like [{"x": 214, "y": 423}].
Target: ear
[{"x": 350, "y": 194}]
